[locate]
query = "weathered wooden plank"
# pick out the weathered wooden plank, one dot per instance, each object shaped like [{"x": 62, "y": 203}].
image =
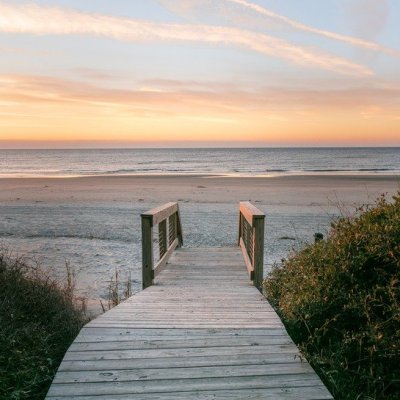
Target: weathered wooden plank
[
  {"x": 200, "y": 278},
  {"x": 179, "y": 362},
  {"x": 207, "y": 270},
  {"x": 192, "y": 319},
  {"x": 186, "y": 301},
  {"x": 150, "y": 338},
  {"x": 216, "y": 249},
  {"x": 285, "y": 393},
  {"x": 190, "y": 289},
  {"x": 179, "y": 343},
  {"x": 165, "y": 386},
  {"x": 209, "y": 310},
  {"x": 176, "y": 317},
  {"x": 175, "y": 321},
  {"x": 211, "y": 324},
  {"x": 146, "y": 374},
  {"x": 194, "y": 314},
  {"x": 209, "y": 305},
  {"x": 98, "y": 334},
  {"x": 180, "y": 352}
]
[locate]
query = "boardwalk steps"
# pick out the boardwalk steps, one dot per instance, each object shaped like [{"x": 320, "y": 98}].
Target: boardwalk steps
[{"x": 200, "y": 331}]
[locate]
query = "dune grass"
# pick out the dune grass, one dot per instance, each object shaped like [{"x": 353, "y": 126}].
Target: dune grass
[
  {"x": 39, "y": 319},
  {"x": 118, "y": 291},
  {"x": 340, "y": 301}
]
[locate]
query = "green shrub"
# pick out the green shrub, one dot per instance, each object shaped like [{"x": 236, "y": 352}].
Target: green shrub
[
  {"x": 38, "y": 322},
  {"x": 339, "y": 299}
]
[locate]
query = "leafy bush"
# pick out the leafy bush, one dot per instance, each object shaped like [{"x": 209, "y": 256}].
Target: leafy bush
[
  {"x": 38, "y": 322},
  {"x": 339, "y": 299}
]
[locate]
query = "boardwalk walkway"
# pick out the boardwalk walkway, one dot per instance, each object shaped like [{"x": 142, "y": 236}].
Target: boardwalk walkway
[{"x": 200, "y": 331}]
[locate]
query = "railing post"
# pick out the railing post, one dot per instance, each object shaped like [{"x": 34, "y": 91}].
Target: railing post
[
  {"x": 258, "y": 250},
  {"x": 251, "y": 240},
  {"x": 147, "y": 251}
]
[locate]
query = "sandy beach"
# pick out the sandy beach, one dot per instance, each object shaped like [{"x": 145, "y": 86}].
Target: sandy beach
[
  {"x": 93, "y": 223},
  {"x": 280, "y": 190}
]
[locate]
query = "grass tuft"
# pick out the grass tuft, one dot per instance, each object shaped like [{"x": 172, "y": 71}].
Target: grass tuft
[
  {"x": 340, "y": 301},
  {"x": 115, "y": 287},
  {"x": 39, "y": 319}
]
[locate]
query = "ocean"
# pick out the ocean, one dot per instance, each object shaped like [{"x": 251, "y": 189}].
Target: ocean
[
  {"x": 97, "y": 238},
  {"x": 236, "y": 162}
]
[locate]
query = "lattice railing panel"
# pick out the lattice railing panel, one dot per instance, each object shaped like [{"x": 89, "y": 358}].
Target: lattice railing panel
[
  {"x": 172, "y": 231},
  {"x": 247, "y": 236}
]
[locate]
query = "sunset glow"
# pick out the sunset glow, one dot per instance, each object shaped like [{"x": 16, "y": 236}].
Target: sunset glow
[{"x": 171, "y": 72}]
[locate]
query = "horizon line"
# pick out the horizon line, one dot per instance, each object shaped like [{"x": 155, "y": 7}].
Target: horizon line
[{"x": 353, "y": 146}]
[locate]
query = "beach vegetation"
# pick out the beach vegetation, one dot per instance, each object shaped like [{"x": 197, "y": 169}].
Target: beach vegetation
[
  {"x": 339, "y": 299},
  {"x": 39, "y": 319},
  {"x": 118, "y": 291}
]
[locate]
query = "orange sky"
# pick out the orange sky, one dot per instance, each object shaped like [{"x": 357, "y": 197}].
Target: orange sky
[{"x": 77, "y": 76}]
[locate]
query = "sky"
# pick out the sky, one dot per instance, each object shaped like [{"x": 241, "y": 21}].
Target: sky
[{"x": 157, "y": 73}]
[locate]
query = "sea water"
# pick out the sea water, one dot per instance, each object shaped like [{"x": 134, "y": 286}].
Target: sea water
[
  {"x": 97, "y": 239},
  {"x": 240, "y": 162}
]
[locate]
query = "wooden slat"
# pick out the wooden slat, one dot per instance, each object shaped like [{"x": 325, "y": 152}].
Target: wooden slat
[
  {"x": 147, "y": 374},
  {"x": 287, "y": 393},
  {"x": 179, "y": 362},
  {"x": 139, "y": 387},
  {"x": 178, "y": 343}
]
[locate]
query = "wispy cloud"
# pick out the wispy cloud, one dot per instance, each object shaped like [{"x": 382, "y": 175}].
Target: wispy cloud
[
  {"x": 33, "y": 19},
  {"x": 236, "y": 8},
  {"x": 354, "y": 41}
]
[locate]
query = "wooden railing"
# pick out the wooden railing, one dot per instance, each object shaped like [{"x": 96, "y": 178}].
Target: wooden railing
[
  {"x": 251, "y": 240},
  {"x": 167, "y": 218}
]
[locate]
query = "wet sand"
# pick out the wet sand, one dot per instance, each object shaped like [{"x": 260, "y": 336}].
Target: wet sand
[{"x": 282, "y": 190}]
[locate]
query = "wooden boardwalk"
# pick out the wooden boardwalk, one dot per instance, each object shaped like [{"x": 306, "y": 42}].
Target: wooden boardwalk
[{"x": 200, "y": 331}]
